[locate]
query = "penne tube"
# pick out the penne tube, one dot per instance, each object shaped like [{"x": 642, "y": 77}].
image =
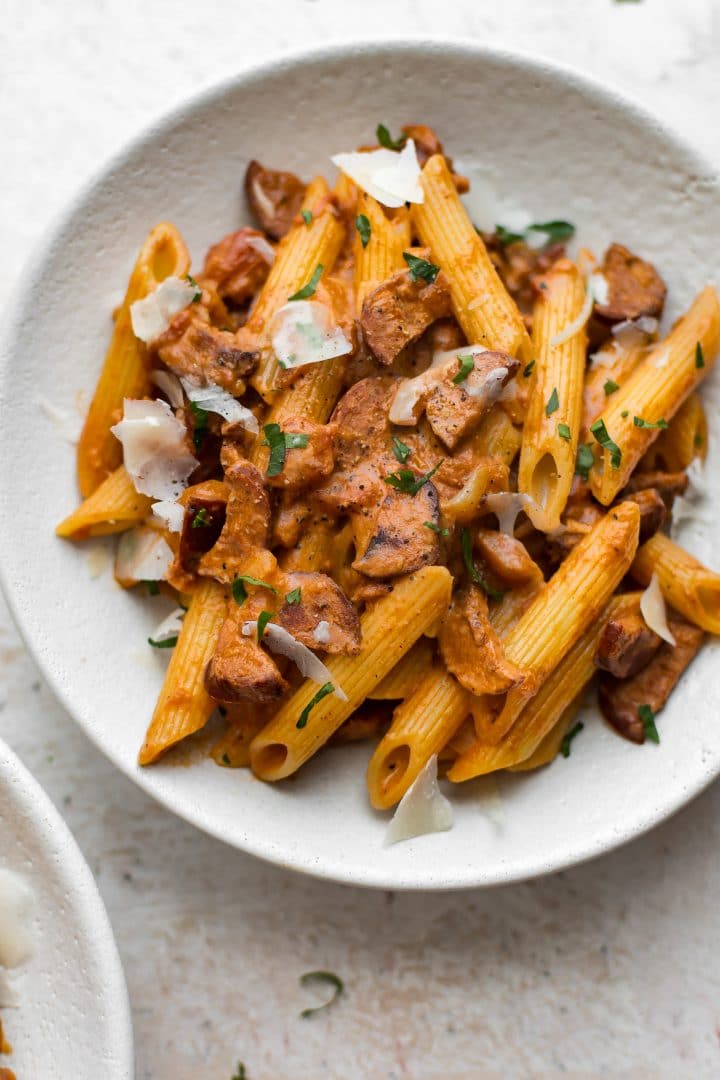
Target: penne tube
[
  {"x": 298, "y": 255},
  {"x": 498, "y": 436},
  {"x": 382, "y": 254},
  {"x": 467, "y": 504},
  {"x": 552, "y": 424},
  {"x": 313, "y": 551},
  {"x": 550, "y": 747},
  {"x": 612, "y": 367},
  {"x": 113, "y": 507},
  {"x": 485, "y": 310},
  {"x": 686, "y": 584},
  {"x": 541, "y": 716},
  {"x": 405, "y": 676},
  {"x": 125, "y": 369},
  {"x": 421, "y": 726},
  {"x": 184, "y": 705},
  {"x": 389, "y": 629},
  {"x": 232, "y": 749},
  {"x": 559, "y": 614},
  {"x": 654, "y": 392},
  {"x": 685, "y": 439}
]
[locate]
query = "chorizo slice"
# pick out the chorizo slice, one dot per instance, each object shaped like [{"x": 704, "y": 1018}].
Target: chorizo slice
[
  {"x": 275, "y": 197},
  {"x": 399, "y": 540},
  {"x": 238, "y": 265},
  {"x": 626, "y": 645},
  {"x": 452, "y": 409},
  {"x": 399, "y": 310},
  {"x": 320, "y": 600},
  {"x": 634, "y": 287}
]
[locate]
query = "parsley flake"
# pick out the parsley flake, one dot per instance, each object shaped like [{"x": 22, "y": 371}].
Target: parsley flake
[
  {"x": 362, "y": 224},
  {"x": 584, "y": 461},
  {"x": 385, "y": 138},
  {"x": 625, "y": 414},
  {"x": 198, "y": 289},
  {"x": 240, "y": 1073},
  {"x": 405, "y": 480},
  {"x": 553, "y": 403},
  {"x": 528, "y": 370},
  {"x": 564, "y": 432},
  {"x": 639, "y": 422},
  {"x": 325, "y": 689},
  {"x": 280, "y": 442},
  {"x": 309, "y": 290},
  {"x": 467, "y": 363},
  {"x": 240, "y": 592},
  {"x": 436, "y": 528},
  {"x": 610, "y": 386},
  {"x": 307, "y": 217},
  {"x": 201, "y": 418},
  {"x": 421, "y": 269},
  {"x": 262, "y": 620},
  {"x": 475, "y": 575},
  {"x": 153, "y": 588},
  {"x": 555, "y": 232},
  {"x": 507, "y": 236},
  {"x": 166, "y": 643},
  {"x": 647, "y": 717},
  {"x": 400, "y": 450},
  {"x": 568, "y": 738},
  {"x": 699, "y": 356},
  {"x": 201, "y": 519},
  {"x": 600, "y": 432},
  {"x": 697, "y": 440},
  {"x": 328, "y": 978},
  {"x": 294, "y": 596}
]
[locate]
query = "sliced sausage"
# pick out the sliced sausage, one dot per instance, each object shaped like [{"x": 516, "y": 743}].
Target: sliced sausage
[
  {"x": 626, "y": 645},
  {"x": 634, "y": 287},
  {"x": 454, "y": 409},
  {"x": 191, "y": 346},
  {"x": 652, "y": 511},
  {"x": 304, "y": 466},
  {"x": 321, "y": 600},
  {"x": 507, "y": 557},
  {"x": 471, "y": 649},
  {"x": 247, "y": 520},
  {"x": 274, "y": 197},
  {"x": 399, "y": 542},
  {"x": 240, "y": 670},
  {"x": 668, "y": 485},
  {"x": 399, "y": 310},
  {"x": 238, "y": 265}
]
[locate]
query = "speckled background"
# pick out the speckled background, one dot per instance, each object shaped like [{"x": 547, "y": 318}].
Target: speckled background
[{"x": 607, "y": 970}]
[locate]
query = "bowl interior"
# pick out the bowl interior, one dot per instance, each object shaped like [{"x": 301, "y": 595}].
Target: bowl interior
[{"x": 548, "y": 143}]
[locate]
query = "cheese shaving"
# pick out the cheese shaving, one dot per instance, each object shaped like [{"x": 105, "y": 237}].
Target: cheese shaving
[
  {"x": 171, "y": 514},
  {"x": 152, "y": 315},
  {"x": 632, "y": 332},
  {"x": 652, "y": 609},
  {"x": 578, "y": 322},
  {"x": 599, "y": 288},
  {"x": 143, "y": 554},
  {"x": 489, "y": 388},
  {"x": 406, "y": 405},
  {"x": 321, "y": 633},
  {"x": 155, "y": 451},
  {"x": 214, "y": 399},
  {"x": 261, "y": 245},
  {"x": 391, "y": 178},
  {"x": 423, "y": 808},
  {"x": 169, "y": 627},
  {"x": 17, "y": 905},
  {"x": 280, "y": 640},
  {"x": 506, "y": 505},
  {"x": 303, "y": 332},
  {"x": 660, "y": 358},
  {"x": 170, "y": 386}
]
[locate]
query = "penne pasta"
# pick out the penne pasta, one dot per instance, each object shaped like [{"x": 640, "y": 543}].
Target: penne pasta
[
  {"x": 549, "y": 748},
  {"x": 654, "y": 392},
  {"x": 686, "y": 584},
  {"x": 612, "y": 367},
  {"x": 113, "y": 507},
  {"x": 552, "y": 424},
  {"x": 378, "y": 245},
  {"x": 184, "y": 705},
  {"x": 125, "y": 371},
  {"x": 685, "y": 439},
  {"x": 402, "y": 680},
  {"x": 389, "y": 629},
  {"x": 486, "y": 312}
]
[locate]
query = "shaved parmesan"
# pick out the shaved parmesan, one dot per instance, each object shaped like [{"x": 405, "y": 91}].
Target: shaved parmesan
[
  {"x": 688, "y": 507},
  {"x": 599, "y": 288},
  {"x": 391, "y": 178},
  {"x": 423, "y": 808},
  {"x": 213, "y": 398},
  {"x": 17, "y": 905},
  {"x": 155, "y": 452},
  {"x": 152, "y": 315},
  {"x": 660, "y": 358},
  {"x": 260, "y": 244},
  {"x": 321, "y": 633},
  {"x": 142, "y": 555},
  {"x": 303, "y": 332},
  {"x": 632, "y": 332},
  {"x": 488, "y": 388},
  {"x": 506, "y": 505},
  {"x": 169, "y": 627},
  {"x": 607, "y": 356},
  {"x": 652, "y": 609},
  {"x": 67, "y": 426},
  {"x": 488, "y": 208},
  {"x": 577, "y": 323},
  {"x": 172, "y": 515},
  {"x": 441, "y": 356},
  {"x": 279, "y": 640},
  {"x": 170, "y": 386}
]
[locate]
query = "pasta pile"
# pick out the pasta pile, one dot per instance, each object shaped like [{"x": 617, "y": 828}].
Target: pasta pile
[{"x": 407, "y": 481}]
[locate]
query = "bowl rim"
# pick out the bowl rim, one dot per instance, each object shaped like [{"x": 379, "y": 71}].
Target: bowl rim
[{"x": 165, "y": 121}]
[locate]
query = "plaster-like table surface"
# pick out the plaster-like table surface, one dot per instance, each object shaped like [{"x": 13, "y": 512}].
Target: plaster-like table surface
[{"x": 610, "y": 969}]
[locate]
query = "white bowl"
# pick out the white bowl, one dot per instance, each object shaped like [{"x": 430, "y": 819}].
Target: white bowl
[
  {"x": 70, "y": 1014},
  {"x": 552, "y": 143}
]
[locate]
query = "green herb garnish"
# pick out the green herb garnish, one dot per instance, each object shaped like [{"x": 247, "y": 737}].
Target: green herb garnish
[
  {"x": 625, "y": 414},
  {"x": 240, "y": 1072},
  {"x": 201, "y": 519},
  {"x": 167, "y": 643},
  {"x": 198, "y": 290},
  {"x": 280, "y": 442},
  {"x": 647, "y": 716},
  {"x": 528, "y": 370},
  {"x": 475, "y": 575},
  {"x": 400, "y": 450},
  {"x": 329, "y": 979},
  {"x": 262, "y": 620},
  {"x": 201, "y": 419},
  {"x": 294, "y": 596},
  {"x": 405, "y": 480},
  {"x": 553, "y": 403},
  {"x": 610, "y": 386},
  {"x": 436, "y": 528},
  {"x": 507, "y": 236},
  {"x": 385, "y": 138},
  {"x": 307, "y": 217},
  {"x": 584, "y": 461},
  {"x": 600, "y": 432},
  {"x": 362, "y": 224},
  {"x": 639, "y": 422},
  {"x": 324, "y": 690},
  {"x": 568, "y": 738},
  {"x": 421, "y": 269},
  {"x": 554, "y": 231},
  {"x": 153, "y": 588},
  {"x": 699, "y": 356},
  {"x": 309, "y": 290},
  {"x": 240, "y": 592},
  {"x": 467, "y": 363},
  {"x": 697, "y": 440},
  {"x": 564, "y": 432}
]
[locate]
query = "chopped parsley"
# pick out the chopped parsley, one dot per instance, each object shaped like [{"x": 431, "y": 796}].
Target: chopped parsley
[
  {"x": 309, "y": 290},
  {"x": 600, "y": 432},
  {"x": 153, "y": 588},
  {"x": 467, "y": 363},
  {"x": 610, "y": 386},
  {"x": 584, "y": 461},
  {"x": 240, "y": 592},
  {"x": 328, "y": 979},
  {"x": 507, "y": 236},
  {"x": 385, "y": 138},
  {"x": 553, "y": 403},
  {"x": 198, "y": 290},
  {"x": 421, "y": 269},
  {"x": 240, "y": 1073},
  {"x": 568, "y": 738},
  {"x": 625, "y": 414},
  {"x": 647, "y": 717},
  {"x": 699, "y": 357},
  {"x": 528, "y": 369},
  {"x": 166, "y": 643},
  {"x": 279, "y": 442},
  {"x": 294, "y": 596},
  {"x": 564, "y": 432},
  {"x": 400, "y": 450},
  {"x": 639, "y": 422},
  {"x": 307, "y": 217},
  {"x": 201, "y": 519},
  {"x": 436, "y": 528},
  {"x": 405, "y": 480},
  {"x": 325, "y": 689},
  {"x": 555, "y": 232},
  {"x": 697, "y": 443},
  {"x": 362, "y": 224},
  {"x": 475, "y": 575},
  {"x": 200, "y": 423},
  {"x": 225, "y": 759},
  {"x": 262, "y": 620}
]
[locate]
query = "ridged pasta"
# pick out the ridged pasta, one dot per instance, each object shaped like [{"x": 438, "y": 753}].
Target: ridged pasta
[
  {"x": 113, "y": 507},
  {"x": 686, "y": 584}
]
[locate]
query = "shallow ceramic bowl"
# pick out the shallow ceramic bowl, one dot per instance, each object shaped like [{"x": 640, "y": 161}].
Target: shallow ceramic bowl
[
  {"x": 70, "y": 1014},
  {"x": 548, "y": 141}
]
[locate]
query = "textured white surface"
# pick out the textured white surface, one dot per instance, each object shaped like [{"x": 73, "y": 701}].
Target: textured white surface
[{"x": 606, "y": 970}]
